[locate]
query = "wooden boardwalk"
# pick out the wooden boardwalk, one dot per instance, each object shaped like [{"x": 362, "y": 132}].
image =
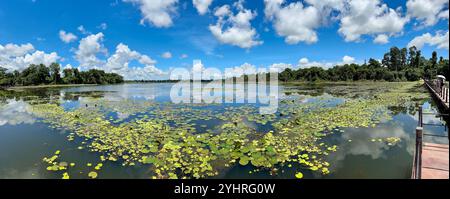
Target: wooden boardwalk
[
  {"x": 431, "y": 161},
  {"x": 435, "y": 161},
  {"x": 442, "y": 94}
]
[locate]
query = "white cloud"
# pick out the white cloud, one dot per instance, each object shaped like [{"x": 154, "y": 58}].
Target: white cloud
[
  {"x": 295, "y": 22},
  {"x": 103, "y": 26},
  {"x": 239, "y": 31},
  {"x": 14, "y": 50},
  {"x": 237, "y": 71},
  {"x": 202, "y": 5},
  {"x": 439, "y": 40},
  {"x": 281, "y": 66},
  {"x": 120, "y": 61},
  {"x": 348, "y": 60},
  {"x": 18, "y": 57},
  {"x": 184, "y": 56},
  {"x": 305, "y": 63},
  {"x": 144, "y": 73},
  {"x": 369, "y": 17},
  {"x": 298, "y": 21},
  {"x": 381, "y": 39},
  {"x": 83, "y": 30},
  {"x": 444, "y": 14},
  {"x": 166, "y": 55},
  {"x": 156, "y": 12},
  {"x": 67, "y": 37},
  {"x": 87, "y": 51},
  {"x": 121, "y": 58},
  {"x": 427, "y": 11}
]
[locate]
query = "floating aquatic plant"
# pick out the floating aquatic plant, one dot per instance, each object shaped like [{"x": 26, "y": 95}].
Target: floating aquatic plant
[{"x": 169, "y": 139}]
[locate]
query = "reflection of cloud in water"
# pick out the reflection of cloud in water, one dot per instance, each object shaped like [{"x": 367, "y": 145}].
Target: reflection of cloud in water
[
  {"x": 126, "y": 91},
  {"x": 122, "y": 115},
  {"x": 361, "y": 143},
  {"x": 15, "y": 112},
  {"x": 432, "y": 125}
]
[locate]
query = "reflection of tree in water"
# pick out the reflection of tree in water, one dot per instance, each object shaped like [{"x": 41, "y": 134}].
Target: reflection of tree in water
[
  {"x": 75, "y": 96},
  {"x": 28, "y": 94},
  {"x": 398, "y": 109}
]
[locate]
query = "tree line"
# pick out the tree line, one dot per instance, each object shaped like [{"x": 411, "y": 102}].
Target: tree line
[
  {"x": 396, "y": 65},
  {"x": 43, "y": 75}
]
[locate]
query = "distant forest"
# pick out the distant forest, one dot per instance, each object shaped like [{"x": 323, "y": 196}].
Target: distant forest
[
  {"x": 43, "y": 75},
  {"x": 396, "y": 65}
]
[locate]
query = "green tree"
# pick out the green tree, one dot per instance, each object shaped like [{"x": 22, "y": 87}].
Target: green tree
[
  {"x": 412, "y": 57},
  {"x": 55, "y": 73},
  {"x": 404, "y": 58},
  {"x": 386, "y": 60},
  {"x": 373, "y": 63},
  {"x": 433, "y": 64},
  {"x": 418, "y": 59},
  {"x": 395, "y": 59}
]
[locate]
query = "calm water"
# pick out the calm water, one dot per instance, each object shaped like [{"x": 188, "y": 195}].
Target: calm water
[{"x": 25, "y": 139}]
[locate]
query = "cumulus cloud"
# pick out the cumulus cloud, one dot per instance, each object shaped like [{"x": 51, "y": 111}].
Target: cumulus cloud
[
  {"x": 305, "y": 63},
  {"x": 369, "y": 17},
  {"x": 166, "y": 55},
  {"x": 14, "y": 50},
  {"x": 88, "y": 49},
  {"x": 348, "y": 60},
  {"x": 295, "y": 22},
  {"x": 235, "y": 29},
  {"x": 156, "y": 12},
  {"x": 428, "y": 11},
  {"x": 298, "y": 21},
  {"x": 439, "y": 39},
  {"x": 237, "y": 71},
  {"x": 281, "y": 66},
  {"x": 67, "y": 37},
  {"x": 381, "y": 39},
  {"x": 18, "y": 57},
  {"x": 119, "y": 62},
  {"x": 202, "y": 6}
]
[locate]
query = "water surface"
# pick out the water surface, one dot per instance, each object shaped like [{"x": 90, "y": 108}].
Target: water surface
[{"x": 26, "y": 139}]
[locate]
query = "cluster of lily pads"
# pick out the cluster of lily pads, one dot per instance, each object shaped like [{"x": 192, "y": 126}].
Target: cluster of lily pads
[
  {"x": 168, "y": 138},
  {"x": 390, "y": 141},
  {"x": 55, "y": 165}
]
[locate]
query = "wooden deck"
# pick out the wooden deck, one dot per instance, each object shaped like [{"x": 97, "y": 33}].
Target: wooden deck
[
  {"x": 441, "y": 94},
  {"x": 431, "y": 161},
  {"x": 435, "y": 158}
]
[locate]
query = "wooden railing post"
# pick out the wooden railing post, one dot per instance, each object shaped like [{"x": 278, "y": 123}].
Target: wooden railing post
[
  {"x": 420, "y": 116},
  {"x": 447, "y": 96},
  {"x": 418, "y": 158}
]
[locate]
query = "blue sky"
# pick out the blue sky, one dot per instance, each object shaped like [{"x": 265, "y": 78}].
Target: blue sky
[{"x": 39, "y": 22}]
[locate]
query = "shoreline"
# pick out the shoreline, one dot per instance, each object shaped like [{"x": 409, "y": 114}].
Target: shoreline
[
  {"x": 281, "y": 83},
  {"x": 49, "y": 86}
]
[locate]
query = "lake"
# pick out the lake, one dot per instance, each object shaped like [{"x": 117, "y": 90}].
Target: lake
[{"x": 339, "y": 130}]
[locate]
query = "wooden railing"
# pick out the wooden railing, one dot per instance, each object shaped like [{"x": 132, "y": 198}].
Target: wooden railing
[
  {"x": 441, "y": 91},
  {"x": 417, "y": 162},
  {"x": 417, "y": 168}
]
